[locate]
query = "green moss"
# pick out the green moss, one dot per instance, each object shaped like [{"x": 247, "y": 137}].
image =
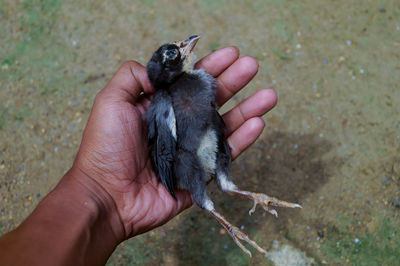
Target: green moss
[
  {"x": 281, "y": 55},
  {"x": 149, "y": 3},
  {"x": 214, "y": 46},
  {"x": 8, "y": 60},
  {"x": 137, "y": 251},
  {"x": 282, "y": 30},
  {"x": 3, "y": 117},
  {"x": 22, "y": 113},
  {"x": 260, "y": 57},
  {"x": 237, "y": 258},
  {"x": 39, "y": 53},
  {"x": 39, "y": 17},
  {"x": 140, "y": 252},
  {"x": 344, "y": 222},
  {"x": 379, "y": 248},
  {"x": 211, "y": 5}
]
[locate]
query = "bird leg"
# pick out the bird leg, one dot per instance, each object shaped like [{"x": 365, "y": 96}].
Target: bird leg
[
  {"x": 237, "y": 234},
  {"x": 265, "y": 201}
]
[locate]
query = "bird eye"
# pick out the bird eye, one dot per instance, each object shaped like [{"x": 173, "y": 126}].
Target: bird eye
[{"x": 171, "y": 54}]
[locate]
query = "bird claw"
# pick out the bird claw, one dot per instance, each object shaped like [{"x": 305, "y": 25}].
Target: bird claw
[
  {"x": 266, "y": 202},
  {"x": 237, "y": 234}
]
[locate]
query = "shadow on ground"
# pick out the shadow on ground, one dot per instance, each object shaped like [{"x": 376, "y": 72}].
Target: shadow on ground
[{"x": 283, "y": 165}]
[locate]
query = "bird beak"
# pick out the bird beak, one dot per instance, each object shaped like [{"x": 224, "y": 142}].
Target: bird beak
[{"x": 186, "y": 46}]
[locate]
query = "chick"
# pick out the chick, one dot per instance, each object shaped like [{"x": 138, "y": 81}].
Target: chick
[{"x": 187, "y": 141}]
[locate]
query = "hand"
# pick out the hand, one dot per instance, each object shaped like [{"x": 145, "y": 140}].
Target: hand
[{"x": 114, "y": 153}]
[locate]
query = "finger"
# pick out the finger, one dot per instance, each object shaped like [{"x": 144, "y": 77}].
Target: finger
[
  {"x": 235, "y": 77},
  {"x": 256, "y": 105},
  {"x": 184, "y": 200},
  {"x": 216, "y": 62},
  {"x": 128, "y": 82},
  {"x": 246, "y": 135},
  {"x": 143, "y": 103}
]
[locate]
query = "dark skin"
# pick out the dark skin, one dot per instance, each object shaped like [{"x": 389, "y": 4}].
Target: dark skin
[{"x": 110, "y": 193}]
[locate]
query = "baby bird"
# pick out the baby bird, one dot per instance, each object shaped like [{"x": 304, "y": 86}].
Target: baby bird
[{"x": 187, "y": 141}]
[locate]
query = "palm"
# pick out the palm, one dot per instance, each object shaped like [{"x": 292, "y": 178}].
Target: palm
[
  {"x": 121, "y": 147},
  {"x": 114, "y": 146}
]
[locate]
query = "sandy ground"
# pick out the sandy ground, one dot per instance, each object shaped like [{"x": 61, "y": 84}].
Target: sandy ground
[{"x": 332, "y": 143}]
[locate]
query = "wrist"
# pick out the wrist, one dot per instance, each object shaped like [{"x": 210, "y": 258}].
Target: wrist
[
  {"x": 77, "y": 223},
  {"x": 88, "y": 196},
  {"x": 100, "y": 223}
]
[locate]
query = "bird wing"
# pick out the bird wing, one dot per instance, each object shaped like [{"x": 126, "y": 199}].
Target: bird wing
[
  {"x": 223, "y": 146},
  {"x": 162, "y": 138}
]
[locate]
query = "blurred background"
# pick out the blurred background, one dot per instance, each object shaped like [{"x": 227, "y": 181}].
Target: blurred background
[{"x": 332, "y": 143}]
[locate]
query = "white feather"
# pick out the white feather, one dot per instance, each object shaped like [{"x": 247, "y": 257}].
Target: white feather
[
  {"x": 207, "y": 151},
  {"x": 171, "y": 122},
  {"x": 208, "y": 205},
  {"x": 226, "y": 184}
]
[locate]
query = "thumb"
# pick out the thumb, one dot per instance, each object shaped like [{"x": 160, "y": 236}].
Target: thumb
[{"x": 128, "y": 82}]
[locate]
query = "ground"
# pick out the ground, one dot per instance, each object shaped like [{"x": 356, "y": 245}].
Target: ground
[{"x": 332, "y": 143}]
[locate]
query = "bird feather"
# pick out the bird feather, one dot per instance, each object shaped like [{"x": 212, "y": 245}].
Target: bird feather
[{"x": 162, "y": 138}]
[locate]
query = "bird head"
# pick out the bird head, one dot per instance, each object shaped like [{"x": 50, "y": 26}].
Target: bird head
[{"x": 170, "y": 61}]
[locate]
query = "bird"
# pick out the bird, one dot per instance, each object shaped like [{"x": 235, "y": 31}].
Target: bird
[{"x": 186, "y": 135}]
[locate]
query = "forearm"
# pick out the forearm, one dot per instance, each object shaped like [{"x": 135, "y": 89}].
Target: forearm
[{"x": 74, "y": 225}]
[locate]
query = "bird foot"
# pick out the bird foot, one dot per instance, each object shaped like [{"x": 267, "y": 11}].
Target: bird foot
[
  {"x": 238, "y": 235},
  {"x": 266, "y": 202}
]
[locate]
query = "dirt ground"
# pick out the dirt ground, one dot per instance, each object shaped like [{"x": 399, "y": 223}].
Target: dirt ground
[{"x": 332, "y": 143}]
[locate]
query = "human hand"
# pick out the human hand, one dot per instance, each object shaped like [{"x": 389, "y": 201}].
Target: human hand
[{"x": 113, "y": 156}]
